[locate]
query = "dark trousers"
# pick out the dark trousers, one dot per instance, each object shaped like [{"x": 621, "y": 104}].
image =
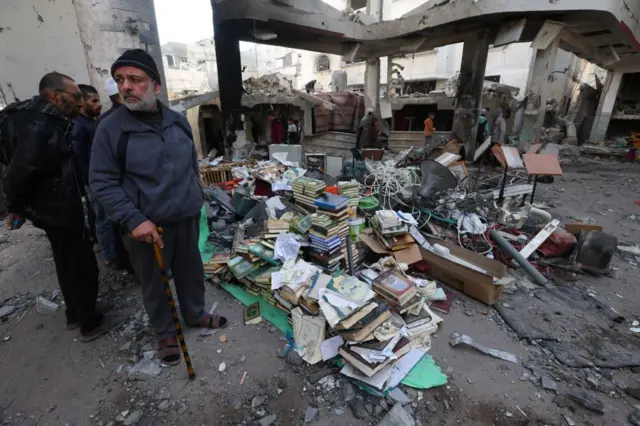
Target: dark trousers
[
  {"x": 122, "y": 255},
  {"x": 77, "y": 272}
]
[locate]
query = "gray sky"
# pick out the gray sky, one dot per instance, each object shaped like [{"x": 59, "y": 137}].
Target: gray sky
[{"x": 185, "y": 21}]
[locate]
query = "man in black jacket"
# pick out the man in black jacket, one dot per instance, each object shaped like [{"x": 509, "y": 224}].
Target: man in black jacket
[{"x": 43, "y": 185}]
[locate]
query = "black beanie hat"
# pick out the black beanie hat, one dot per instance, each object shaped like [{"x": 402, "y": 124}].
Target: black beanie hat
[{"x": 140, "y": 59}]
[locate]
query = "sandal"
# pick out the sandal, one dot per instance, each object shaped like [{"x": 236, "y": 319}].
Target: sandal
[
  {"x": 169, "y": 351},
  {"x": 213, "y": 322}
]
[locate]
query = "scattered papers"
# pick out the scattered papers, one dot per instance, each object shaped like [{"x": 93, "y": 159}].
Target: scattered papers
[
  {"x": 329, "y": 347},
  {"x": 407, "y": 218},
  {"x": 292, "y": 274},
  {"x": 287, "y": 247},
  {"x": 404, "y": 366},
  {"x": 308, "y": 334},
  {"x": 457, "y": 339},
  {"x": 376, "y": 381}
]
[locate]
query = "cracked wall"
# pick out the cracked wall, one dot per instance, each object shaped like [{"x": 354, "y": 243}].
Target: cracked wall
[{"x": 80, "y": 38}]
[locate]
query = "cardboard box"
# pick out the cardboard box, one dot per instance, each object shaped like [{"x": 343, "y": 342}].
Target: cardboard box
[
  {"x": 471, "y": 282},
  {"x": 409, "y": 255}
]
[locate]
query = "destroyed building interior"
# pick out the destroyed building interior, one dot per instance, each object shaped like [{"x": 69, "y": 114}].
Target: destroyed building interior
[{"x": 398, "y": 249}]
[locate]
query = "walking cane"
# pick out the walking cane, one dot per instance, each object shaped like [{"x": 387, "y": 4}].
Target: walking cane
[{"x": 167, "y": 279}]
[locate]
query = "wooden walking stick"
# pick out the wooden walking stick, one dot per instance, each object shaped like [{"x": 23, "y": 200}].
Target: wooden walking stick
[{"x": 167, "y": 279}]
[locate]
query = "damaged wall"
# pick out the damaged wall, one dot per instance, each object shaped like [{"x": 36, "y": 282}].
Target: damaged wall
[
  {"x": 51, "y": 30},
  {"x": 80, "y": 38}
]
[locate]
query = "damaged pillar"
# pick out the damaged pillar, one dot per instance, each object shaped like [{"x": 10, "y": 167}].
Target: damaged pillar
[
  {"x": 608, "y": 99},
  {"x": 372, "y": 84},
  {"x": 227, "y": 45},
  {"x": 469, "y": 96},
  {"x": 544, "y": 67},
  {"x": 372, "y": 70}
]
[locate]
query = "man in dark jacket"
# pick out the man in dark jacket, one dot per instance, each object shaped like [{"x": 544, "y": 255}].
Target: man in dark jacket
[
  {"x": 43, "y": 185},
  {"x": 144, "y": 170},
  {"x": 81, "y": 137}
]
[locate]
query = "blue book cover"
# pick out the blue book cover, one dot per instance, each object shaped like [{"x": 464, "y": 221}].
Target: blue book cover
[{"x": 331, "y": 202}]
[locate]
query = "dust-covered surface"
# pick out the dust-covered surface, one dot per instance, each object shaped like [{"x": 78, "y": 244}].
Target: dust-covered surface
[{"x": 50, "y": 378}]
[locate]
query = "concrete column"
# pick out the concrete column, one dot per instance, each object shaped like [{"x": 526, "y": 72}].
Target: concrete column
[
  {"x": 372, "y": 70},
  {"x": 544, "y": 67},
  {"x": 107, "y": 31},
  {"x": 605, "y": 106},
  {"x": 372, "y": 83},
  {"x": 229, "y": 78},
  {"x": 469, "y": 97}
]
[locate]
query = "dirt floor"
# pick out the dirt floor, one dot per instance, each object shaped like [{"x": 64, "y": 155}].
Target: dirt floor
[{"x": 50, "y": 378}]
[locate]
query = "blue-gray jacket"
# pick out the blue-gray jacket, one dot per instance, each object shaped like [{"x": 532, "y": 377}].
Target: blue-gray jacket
[{"x": 161, "y": 180}]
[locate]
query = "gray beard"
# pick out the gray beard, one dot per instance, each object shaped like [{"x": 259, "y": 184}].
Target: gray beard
[{"x": 148, "y": 103}]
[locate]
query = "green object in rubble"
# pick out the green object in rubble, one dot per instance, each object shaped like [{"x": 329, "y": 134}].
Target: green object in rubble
[{"x": 368, "y": 203}]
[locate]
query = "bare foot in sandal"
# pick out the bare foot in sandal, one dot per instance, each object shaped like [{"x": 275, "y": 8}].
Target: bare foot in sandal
[
  {"x": 169, "y": 351},
  {"x": 213, "y": 322}
]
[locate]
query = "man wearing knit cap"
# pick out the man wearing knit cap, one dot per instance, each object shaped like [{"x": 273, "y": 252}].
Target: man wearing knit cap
[{"x": 144, "y": 171}]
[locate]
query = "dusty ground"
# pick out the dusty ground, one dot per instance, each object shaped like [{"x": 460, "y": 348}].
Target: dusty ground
[{"x": 50, "y": 378}]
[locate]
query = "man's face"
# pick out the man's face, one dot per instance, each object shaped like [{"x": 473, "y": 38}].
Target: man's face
[
  {"x": 92, "y": 105},
  {"x": 138, "y": 91},
  {"x": 68, "y": 100}
]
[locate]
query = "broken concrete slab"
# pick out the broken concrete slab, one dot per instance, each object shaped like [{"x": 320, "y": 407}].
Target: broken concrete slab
[
  {"x": 634, "y": 417},
  {"x": 397, "y": 416},
  {"x": 547, "y": 383},
  {"x": 581, "y": 398},
  {"x": 269, "y": 420},
  {"x": 5, "y": 311},
  {"x": 145, "y": 370}
]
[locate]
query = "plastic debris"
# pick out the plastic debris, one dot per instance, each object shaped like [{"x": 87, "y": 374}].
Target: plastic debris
[
  {"x": 45, "y": 307},
  {"x": 457, "y": 339}
]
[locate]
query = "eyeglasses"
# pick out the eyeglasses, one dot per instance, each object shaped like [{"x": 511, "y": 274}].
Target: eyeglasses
[{"x": 75, "y": 95}]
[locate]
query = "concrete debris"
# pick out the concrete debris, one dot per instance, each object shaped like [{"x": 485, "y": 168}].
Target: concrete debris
[
  {"x": 133, "y": 418},
  {"x": 310, "y": 414},
  {"x": 164, "y": 405},
  {"x": 258, "y": 401},
  {"x": 222, "y": 367},
  {"x": 548, "y": 384},
  {"x": 269, "y": 420},
  {"x": 5, "y": 311},
  {"x": 569, "y": 421},
  {"x": 581, "y": 398},
  {"x": 270, "y": 84},
  {"x": 145, "y": 369},
  {"x": 397, "y": 416},
  {"x": 634, "y": 417}
]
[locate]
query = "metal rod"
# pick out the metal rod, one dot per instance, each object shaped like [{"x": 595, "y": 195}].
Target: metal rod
[
  {"x": 504, "y": 183},
  {"x": 535, "y": 183},
  {"x": 167, "y": 279},
  {"x": 529, "y": 269},
  {"x": 349, "y": 255}
]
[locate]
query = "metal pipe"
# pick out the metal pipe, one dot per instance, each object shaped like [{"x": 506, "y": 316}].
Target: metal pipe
[
  {"x": 349, "y": 255},
  {"x": 528, "y": 268}
]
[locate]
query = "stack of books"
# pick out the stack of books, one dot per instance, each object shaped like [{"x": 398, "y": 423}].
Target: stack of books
[
  {"x": 389, "y": 224},
  {"x": 305, "y": 192},
  {"x": 351, "y": 191},
  {"x": 396, "y": 289},
  {"x": 275, "y": 227}
]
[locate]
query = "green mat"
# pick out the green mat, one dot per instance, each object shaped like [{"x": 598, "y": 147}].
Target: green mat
[{"x": 269, "y": 312}]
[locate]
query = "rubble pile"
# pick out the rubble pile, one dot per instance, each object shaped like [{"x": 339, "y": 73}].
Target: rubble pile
[
  {"x": 269, "y": 84},
  {"x": 367, "y": 289}
]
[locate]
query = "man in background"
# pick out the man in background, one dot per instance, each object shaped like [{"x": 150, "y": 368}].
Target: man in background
[
  {"x": 483, "y": 127},
  {"x": 429, "y": 129},
  {"x": 365, "y": 121},
  {"x": 81, "y": 141},
  {"x": 499, "y": 133},
  {"x": 43, "y": 185}
]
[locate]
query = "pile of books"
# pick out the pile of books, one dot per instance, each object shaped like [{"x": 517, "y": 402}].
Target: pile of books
[
  {"x": 305, "y": 192},
  {"x": 351, "y": 191},
  {"x": 390, "y": 231},
  {"x": 329, "y": 228}
]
